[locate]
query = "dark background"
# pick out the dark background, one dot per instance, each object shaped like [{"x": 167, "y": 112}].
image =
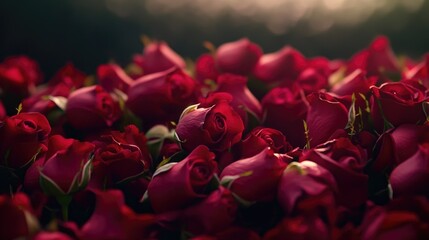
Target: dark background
[{"x": 88, "y": 32}]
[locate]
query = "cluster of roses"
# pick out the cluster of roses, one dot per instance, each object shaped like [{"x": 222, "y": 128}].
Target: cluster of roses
[{"x": 238, "y": 145}]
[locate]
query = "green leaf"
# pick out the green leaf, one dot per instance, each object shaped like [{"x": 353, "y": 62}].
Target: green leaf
[
  {"x": 164, "y": 168},
  {"x": 49, "y": 186},
  {"x": 227, "y": 181},
  {"x": 296, "y": 167},
  {"x": 307, "y": 136},
  {"x": 352, "y": 117},
  {"x": 19, "y": 109}
]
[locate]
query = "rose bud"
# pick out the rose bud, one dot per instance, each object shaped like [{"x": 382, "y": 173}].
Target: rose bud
[
  {"x": 376, "y": 59},
  {"x": 345, "y": 162},
  {"x": 397, "y": 145},
  {"x": 311, "y": 80},
  {"x": 158, "y": 57},
  {"x": 397, "y": 103},
  {"x": 69, "y": 75},
  {"x": 403, "y": 218},
  {"x": 410, "y": 177},
  {"x": 244, "y": 102},
  {"x": 285, "y": 110},
  {"x": 121, "y": 156},
  {"x": 91, "y": 108},
  {"x": 298, "y": 228},
  {"x": 177, "y": 185},
  {"x": 325, "y": 115},
  {"x": 205, "y": 68},
  {"x": 262, "y": 172},
  {"x": 214, "y": 124},
  {"x": 212, "y": 215},
  {"x": 22, "y": 137},
  {"x": 112, "y": 76},
  {"x": 113, "y": 219},
  {"x": 355, "y": 82},
  {"x": 306, "y": 181},
  {"x": 17, "y": 220},
  {"x": 259, "y": 139},
  {"x": 19, "y": 75},
  {"x": 238, "y": 57},
  {"x": 282, "y": 66},
  {"x": 67, "y": 166},
  {"x": 171, "y": 90}
]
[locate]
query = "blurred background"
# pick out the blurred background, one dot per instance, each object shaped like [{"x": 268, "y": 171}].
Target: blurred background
[{"x": 92, "y": 32}]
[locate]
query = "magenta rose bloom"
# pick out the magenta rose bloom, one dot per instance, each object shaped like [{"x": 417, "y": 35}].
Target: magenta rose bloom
[
  {"x": 17, "y": 219},
  {"x": 112, "y": 76},
  {"x": 284, "y": 110},
  {"x": 22, "y": 137},
  {"x": 346, "y": 163},
  {"x": 91, "y": 108},
  {"x": 260, "y": 138},
  {"x": 205, "y": 68},
  {"x": 310, "y": 80},
  {"x": 283, "y": 66},
  {"x": 160, "y": 97},
  {"x": 158, "y": 57},
  {"x": 410, "y": 177},
  {"x": 238, "y": 57},
  {"x": 325, "y": 116},
  {"x": 67, "y": 166},
  {"x": 113, "y": 219},
  {"x": 180, "y": 184},
  {"x": 214, "y": 124},
  {"x": 212, "y": 215},
  {"x": 398, "y": 103},
  {"x": 262, "y": 172}
]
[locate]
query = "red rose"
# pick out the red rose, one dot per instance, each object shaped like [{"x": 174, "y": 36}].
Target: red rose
[
  {"x": 67, "y": 166},
  {"x": 177, "y": 185},
  {"x": 398, "y": 103},
  {"x": 345, "y": 162},
  {"x": 44, "y": 235},
  {"x": 69, "y": 75},
  {"x": 113, "y": 219},
  {"x": 238, "y": 57},
  {"x": 355, "y": 82},
  {"x": 299, "y": 228},
  {"x": 19, "y": 74},
  {"x": 262, "y": 172},
  {"x": 205, "y": 68},
  {"x": 212, "y": 215},
  {"x": 325, "y": 116},
  {"x": 306, "y": 181},
  {"x": 404, "y": 218},
  {"x": 310, "y": 80},
  {"x": 259, "y": 139},
  {"x": 376, "y": 59},
  {"x": 112, "y": 76},
  {"x": 244, "y": 102},
  {"x": 161, "y": 97},
  {"x": 17, "y": 220},
  {"x": 410, "y": 176},
  {"x": 282, "y": 66},
  {"x": 22, "y": 137},
  {"x": 214, "y": 124},
  {"x": 91, "y": 108},
  {"x": 396, "y": 145},
  {"x": 121, "y": 156},
  {"x": 285, "y": 110},
  {"x": 158, "y": 57}
]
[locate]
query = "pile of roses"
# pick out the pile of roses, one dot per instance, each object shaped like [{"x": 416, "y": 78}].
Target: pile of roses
[{"x": 239, "y": 144}]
